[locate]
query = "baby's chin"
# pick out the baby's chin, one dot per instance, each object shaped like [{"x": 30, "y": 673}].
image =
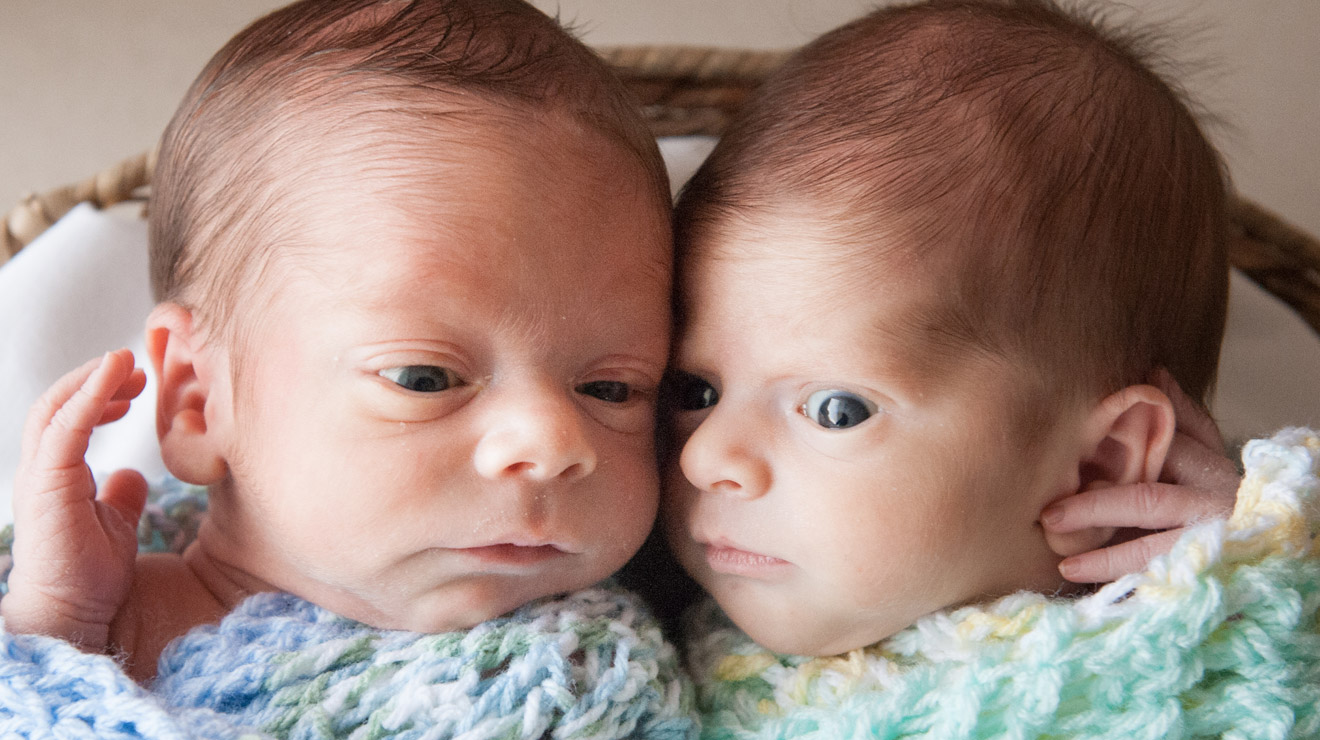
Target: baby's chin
[
  {"x": 802, "y": 633},
  {"x": 816, "y": 642},
  {"x": 456, "y": 606}
]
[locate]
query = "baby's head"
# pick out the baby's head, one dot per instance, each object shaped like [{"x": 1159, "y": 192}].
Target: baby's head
[
  {"x": 413, "y": 261},
  {"x": 922, "y": 282}
]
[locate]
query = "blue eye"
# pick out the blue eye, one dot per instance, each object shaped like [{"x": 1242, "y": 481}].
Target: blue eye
[
  {"x": 610, "y": 391},
  {"x": 687, "y": 392},
  {"x": 835, "y": 409},
  {"x": 422, "y": 378}
]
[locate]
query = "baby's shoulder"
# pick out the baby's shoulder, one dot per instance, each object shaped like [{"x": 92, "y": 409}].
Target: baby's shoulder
[{"x": 167, "y": 599}]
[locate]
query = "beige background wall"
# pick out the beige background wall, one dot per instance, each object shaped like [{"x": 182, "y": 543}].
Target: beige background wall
[{"x": 84, "y": 83}]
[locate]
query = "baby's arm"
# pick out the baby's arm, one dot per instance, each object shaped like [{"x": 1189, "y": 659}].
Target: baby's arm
[
  {"x": 74, "y": 546},
  {"x": 1198, "y": 482}
]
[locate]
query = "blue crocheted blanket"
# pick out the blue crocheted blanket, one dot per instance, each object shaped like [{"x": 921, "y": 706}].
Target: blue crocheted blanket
[
  {"x": 588, "y": 665},
  {"x": 1220, "y": 638}
]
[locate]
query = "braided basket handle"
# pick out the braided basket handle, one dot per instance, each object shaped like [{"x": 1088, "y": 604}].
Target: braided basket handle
[
  {"x": 36, "y": 213},
  {"x": 1278, "y": 256}
]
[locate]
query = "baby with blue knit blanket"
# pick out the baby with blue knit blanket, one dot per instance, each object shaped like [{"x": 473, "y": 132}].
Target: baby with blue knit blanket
[
  {"x": 939, "y": 284},
  {"x": 413, "y": 267}
]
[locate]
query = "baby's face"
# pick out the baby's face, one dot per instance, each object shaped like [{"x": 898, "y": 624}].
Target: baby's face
[
  {"x": 449, "y": 408},
  {"x": 840, "y": 476}
]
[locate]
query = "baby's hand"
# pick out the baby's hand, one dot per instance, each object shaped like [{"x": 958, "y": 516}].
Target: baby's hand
[
  {"x": 74, "y": 546},
  {"x": 1197, "y": 482}
]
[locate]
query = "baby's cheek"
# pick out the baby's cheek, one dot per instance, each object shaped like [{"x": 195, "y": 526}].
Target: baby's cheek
[{"x": 623, "y": 512}]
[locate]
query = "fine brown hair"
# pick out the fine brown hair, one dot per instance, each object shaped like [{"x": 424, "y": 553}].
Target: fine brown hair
[
  {"x": 276, "y": 104},
  {"x": 1074, "y": 208}
]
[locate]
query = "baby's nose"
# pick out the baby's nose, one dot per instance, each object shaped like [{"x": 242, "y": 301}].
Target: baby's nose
[
  {"x": 719, "y": 458},
  {"x": 541, "y": 441}
]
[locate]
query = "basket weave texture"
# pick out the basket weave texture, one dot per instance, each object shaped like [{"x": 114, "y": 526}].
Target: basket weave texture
[{"x": 688, "y": 90}]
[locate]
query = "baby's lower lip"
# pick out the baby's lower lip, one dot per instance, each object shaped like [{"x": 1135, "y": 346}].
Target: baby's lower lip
[
  {"x": 507, "y": 554},
  {"x": 737, "y": 562}
]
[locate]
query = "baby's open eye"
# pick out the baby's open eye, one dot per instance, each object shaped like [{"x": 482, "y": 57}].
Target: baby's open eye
[
  {"x": 610, "y": 391},
  {"x": 835, "y": 409},
  {"x": 688, "y": 392},
  {"x": 422, "y": 378}
]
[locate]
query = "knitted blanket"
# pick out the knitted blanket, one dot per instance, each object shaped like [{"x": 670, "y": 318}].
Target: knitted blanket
[
  {"x": 588, "y": 665},
  {"x": 1220, "y": 638}
]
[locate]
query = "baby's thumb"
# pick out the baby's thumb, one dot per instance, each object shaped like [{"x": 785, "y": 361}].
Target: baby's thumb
[{"x": 125, "y": 491}]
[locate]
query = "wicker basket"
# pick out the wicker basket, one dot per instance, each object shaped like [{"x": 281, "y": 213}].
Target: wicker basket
[{"x": 695, "y": 90}]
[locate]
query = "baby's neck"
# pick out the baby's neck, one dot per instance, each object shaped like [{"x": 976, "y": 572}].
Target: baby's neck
[{"x": 227, "y": 583}]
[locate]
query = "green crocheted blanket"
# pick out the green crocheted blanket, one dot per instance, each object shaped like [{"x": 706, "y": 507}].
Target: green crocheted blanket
[{"x": 1220, "y": 638}]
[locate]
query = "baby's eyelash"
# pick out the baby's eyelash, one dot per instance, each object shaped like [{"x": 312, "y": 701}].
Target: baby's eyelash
[
  {"x": 422, "y": 378},
  {"x": 688, "y": 392},
  {"x": 610, "y": 391}
]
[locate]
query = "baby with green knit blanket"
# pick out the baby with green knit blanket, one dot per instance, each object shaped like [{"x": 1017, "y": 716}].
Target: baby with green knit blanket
[
  {"x": 413, "y": 266},
  {"x": 939, "y": 285}
]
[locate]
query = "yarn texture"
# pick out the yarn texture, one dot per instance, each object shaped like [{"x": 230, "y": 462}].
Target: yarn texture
[
  {"x": 591, "y": 664},
  {"x": 1219, "y": 638},
  {"x": 588, "y": 665}
]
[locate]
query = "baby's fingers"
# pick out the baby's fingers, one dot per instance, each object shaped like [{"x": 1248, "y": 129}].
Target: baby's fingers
[
  {"x": 61, "y": 422},
  {"x": 1143, "y": 505},
  {"x": 1189, "y": 463},
  {"x": 1108, "y": 564},
  {"x": 132, "y": 385},
  {"x": 1192, "y": 420},
  {"x": 50, "y": 402},
  {"x": 121, "y": 402}
]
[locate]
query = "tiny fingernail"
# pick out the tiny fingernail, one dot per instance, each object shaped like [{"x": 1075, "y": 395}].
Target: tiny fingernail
[
  {"x": 1067, "y": 568},
  {"x": 1051, "y": 516}
]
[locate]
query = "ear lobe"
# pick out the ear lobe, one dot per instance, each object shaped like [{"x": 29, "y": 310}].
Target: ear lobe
[
  {"x": 1126, "y": 438},
  {"x": 189, "y": 445}
]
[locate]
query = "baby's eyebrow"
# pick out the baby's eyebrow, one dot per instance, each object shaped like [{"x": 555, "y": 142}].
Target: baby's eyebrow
[
  {"x": 370, "y": 291},
  {"x": 931, "y": 341}
]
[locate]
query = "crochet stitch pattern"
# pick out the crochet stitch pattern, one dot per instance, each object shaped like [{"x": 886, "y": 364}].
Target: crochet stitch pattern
[
  {"x": 1218, "y": 638},
  {"x": 591, "y": 664}
]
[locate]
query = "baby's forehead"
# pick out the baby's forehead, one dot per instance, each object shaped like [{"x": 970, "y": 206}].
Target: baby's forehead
[
  {"x": 352, "y": 195},
  {"x": 890, "y": 288},
  {"x": 812, "y": 240},
  {"x": 426, "y": 162}
]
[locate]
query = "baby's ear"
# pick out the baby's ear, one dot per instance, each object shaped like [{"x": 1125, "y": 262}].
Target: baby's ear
[
  {"x": 1129, "y": 434},
  {"x": 1125, "y": 439},
  {"x": 189, "y": 446}
]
